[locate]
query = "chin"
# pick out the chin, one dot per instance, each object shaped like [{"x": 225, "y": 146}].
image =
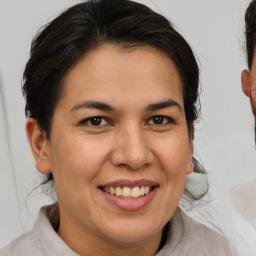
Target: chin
[{"x": 133, "y": 231}]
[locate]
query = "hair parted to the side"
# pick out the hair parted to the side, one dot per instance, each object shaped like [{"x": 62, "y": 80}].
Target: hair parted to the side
[
  {"x": 250, "y": 39},
  {"x": 88, "y": 25},
  {"x": 250, "y": 32}
]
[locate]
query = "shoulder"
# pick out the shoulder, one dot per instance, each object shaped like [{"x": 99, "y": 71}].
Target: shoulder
[
  {"x": 43, "y": 240},
  {"x": 197, "y": 232},
  {"x": 219, "y": 213},
  {"x": 190, "y": 238},
  {"x": 36, "y": 241},
  {"x": 245, "y": 190},
  {"x": 244, "y": 197},
  {"x": 25, "y": 245}
]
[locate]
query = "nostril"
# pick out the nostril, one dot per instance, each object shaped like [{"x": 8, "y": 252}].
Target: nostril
[{"x": 132, "y": 154}]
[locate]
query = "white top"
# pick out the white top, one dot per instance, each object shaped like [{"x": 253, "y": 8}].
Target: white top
[
  {"x": 185, "y": 237},
  {"x": 234, "y": 221},
  {"x": 244, "y": 199}
]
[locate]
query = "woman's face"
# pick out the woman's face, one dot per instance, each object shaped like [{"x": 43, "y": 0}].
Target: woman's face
[{"x": 119, "y": 148}]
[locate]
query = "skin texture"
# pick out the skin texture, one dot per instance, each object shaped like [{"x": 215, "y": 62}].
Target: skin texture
[
  {"x": 127, "y": 145},
  {"x": 248, "y": 81}
]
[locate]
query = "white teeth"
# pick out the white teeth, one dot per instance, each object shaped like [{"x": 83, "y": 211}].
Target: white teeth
[
  {"x": 128, "y": 192},
  {"x": 119, "y": 191},
  {"x": 142, "y": 191},
  {"x": 112, "y": 191},
  {"x": 136, "y": 192}
]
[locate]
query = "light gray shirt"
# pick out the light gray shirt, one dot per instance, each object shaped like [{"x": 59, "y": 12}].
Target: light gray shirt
[
  {"x": 185, "y": 238},
  {"x": 217, "y": 212}
]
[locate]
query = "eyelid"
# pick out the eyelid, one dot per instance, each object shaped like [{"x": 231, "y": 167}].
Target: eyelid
[
  {"x": 87, "y": 120},
  {"x": 169, "y": 119}
]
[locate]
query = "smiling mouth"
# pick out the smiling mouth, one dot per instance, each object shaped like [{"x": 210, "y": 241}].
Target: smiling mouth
[{"x": 128, "y": 192}]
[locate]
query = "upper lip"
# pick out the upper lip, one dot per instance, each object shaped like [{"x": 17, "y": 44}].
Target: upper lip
[{"x": 130, "y": 183}]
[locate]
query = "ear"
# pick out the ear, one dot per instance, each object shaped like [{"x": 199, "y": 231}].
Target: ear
[
  {"x": 246, "y": 82},
  {"x": 190, "y": 163},
  {"x": 39, "y": 145}
]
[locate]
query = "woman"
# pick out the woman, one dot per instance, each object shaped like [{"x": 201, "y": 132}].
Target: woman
[{"x": 111, "y": 95}]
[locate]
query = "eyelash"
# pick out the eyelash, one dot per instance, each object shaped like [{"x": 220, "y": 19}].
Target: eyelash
[
  {"x": 167, "y": 120},
  {"x": 97, "y": 119}
]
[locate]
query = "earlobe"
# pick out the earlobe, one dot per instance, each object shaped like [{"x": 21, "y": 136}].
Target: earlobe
[
  {"x": 246, "y": 82},
  {"x": 190, "y": 168},
  {"x": 39, "y": 145},
  {"x": 190, "y": 164}
]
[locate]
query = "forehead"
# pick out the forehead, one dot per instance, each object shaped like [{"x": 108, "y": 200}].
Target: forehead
[{"x": 109, "y": 71}]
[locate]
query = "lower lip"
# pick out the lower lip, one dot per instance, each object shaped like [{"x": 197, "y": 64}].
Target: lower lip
[{"x": 135, "y": 204}]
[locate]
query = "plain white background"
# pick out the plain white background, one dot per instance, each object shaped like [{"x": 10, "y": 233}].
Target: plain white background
[{"x": 224, "y": 137}]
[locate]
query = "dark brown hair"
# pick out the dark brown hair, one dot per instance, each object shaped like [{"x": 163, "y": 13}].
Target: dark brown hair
[{"x": 250, "y": 32}]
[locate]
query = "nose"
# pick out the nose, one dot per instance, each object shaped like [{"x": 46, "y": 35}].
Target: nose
[{"x": 131, "y": 149}]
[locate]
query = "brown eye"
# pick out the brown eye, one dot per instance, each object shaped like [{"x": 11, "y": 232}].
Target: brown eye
[
  {"x": 159, "y": 120},
  {"x": 96, "y": 121}
]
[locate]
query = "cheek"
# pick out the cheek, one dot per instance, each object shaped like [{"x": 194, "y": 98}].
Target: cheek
[
  {"x": 253, "y": 104},
  {"x": 76, "y": 160},
  {"x": 175, "y": 150},
  {"x": 175, "y": 159}
]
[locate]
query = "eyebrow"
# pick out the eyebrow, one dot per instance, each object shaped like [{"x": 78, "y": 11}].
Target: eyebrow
[
  {"x": 164, "y": 104},
  {"x": 105, "y": 107},
  {"x": 93, "y": 105}
]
